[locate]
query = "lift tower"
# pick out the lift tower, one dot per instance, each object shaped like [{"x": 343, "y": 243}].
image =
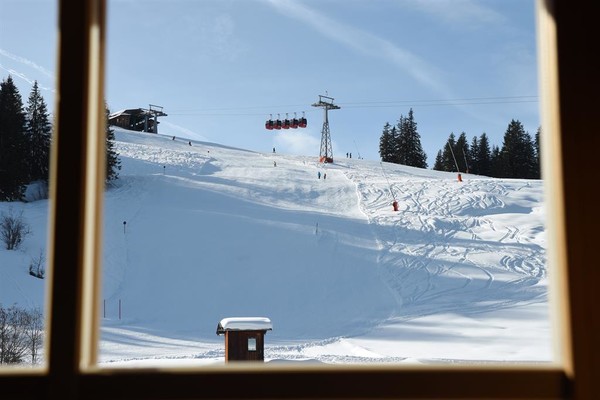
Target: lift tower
[{"x": 326, "y": 154}]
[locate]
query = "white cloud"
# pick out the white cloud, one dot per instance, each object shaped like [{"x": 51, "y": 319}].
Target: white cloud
[{"x": 297, "y": 142}]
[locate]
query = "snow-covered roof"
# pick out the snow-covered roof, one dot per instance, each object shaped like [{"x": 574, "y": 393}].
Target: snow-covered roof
[
  {"x": 118, "y": 113},
  {"x": 137, "y": 111},
  {"x": 244, "y": 324}
]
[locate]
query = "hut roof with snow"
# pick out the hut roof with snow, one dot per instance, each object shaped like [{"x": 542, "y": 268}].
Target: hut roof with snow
[{"x": 244, "y": 324}]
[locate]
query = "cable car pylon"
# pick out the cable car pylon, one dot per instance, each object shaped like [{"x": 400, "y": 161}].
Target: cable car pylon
[{"x": 326, "y": 153}]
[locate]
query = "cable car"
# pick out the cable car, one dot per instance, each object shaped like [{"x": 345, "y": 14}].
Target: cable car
[
  {"x": 302, "y": 123},
  {"x": 269, "y": 123},
  {"x": 294, "y": 122},
  {"x": 286, "y": 122},
  {"x": 278, "y": 123}
]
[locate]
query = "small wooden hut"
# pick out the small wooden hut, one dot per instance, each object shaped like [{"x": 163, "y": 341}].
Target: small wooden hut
[{"x": 244, "y": 337}]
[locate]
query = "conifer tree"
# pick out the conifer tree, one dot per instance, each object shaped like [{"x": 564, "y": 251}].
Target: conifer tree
[
  {"x": 484, "y": 157},
  {"x": 13, "y": 143},
  {"x": 409, "y": 149},
  {"x": 531, "y": 168},
  {"x": 498, "y": 166},
  {"x": 394, "y": 139},
  {"x": 439, "y": 162},
  {"x": 474, "y": 156},
  {"x": 39, "y": 132},
  {"x": 400, "y": 144},
  {"x": 416, "y": 154},
  {"x": 461, "y": 149},
  {"x": 517, "y": 153},
  {"x": 447, "y": 154},
  {"x": 386, "y": 143},
  {"x": 113, "y": 164}
]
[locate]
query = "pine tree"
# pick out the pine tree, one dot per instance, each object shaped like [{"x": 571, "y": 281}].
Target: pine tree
[
  {"x": 409, "y": 149},
  {"x": 439, "y": 162},
  {"x": 474, "y": 156},
  {"x": 498, "y": 167},
  {"x": 39, "y": 132},
  {"x": 484, "y": 156},
  {"x": 13, "y": 143},
  {"x": 531, "y": 168},
  {"x": 399, "y": 142},
  {"x": 517, "y": 153},
  {"x": 448, "y": 162},
  {"x": 394, "y": 154},
  {"x": 113, "y": 164},
  {"x": 416, "y": 156},
  {"x": 386, "y": 143},
  {"x": 461, "y": 149}
]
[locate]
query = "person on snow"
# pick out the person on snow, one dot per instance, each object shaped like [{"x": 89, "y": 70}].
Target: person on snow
[
  {"x": 319, "y": 175},
  {"x": 325, "y": 176}
]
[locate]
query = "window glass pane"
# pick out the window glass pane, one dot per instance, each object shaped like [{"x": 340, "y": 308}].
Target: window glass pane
[
  {"x": 404, "y": 223},
  {"x": 27, "y": 76}
]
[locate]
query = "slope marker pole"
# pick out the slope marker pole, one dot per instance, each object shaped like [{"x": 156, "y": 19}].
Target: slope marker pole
[{"x": 388, "y": 181}]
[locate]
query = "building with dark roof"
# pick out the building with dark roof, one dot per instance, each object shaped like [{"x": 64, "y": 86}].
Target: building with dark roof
[{"x": 138, "y": 119}]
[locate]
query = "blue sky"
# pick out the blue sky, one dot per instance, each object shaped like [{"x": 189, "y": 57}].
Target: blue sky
[{"x": 221, "y": 67}]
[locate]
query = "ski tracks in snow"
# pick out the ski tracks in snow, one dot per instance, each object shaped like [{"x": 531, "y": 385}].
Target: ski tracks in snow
[{"x": 454, "y": 246}]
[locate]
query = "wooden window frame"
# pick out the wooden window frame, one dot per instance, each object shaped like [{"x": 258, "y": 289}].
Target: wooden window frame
[{"x": 569, "y": 87}]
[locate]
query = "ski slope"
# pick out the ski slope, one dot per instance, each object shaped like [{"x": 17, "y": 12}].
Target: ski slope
[{"x": 197, "y": 233}]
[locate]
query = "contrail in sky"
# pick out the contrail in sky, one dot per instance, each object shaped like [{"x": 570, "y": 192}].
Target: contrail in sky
[
  {"x": 28, "y": 63},
  {"x": 364, "y": 42}
]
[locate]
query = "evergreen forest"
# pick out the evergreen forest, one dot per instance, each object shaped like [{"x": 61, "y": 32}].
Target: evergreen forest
[
  {"x": 518, "y": 157},
  {"x": 25, "y": 138}
]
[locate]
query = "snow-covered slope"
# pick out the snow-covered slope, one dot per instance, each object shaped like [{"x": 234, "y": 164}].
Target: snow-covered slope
[{"x": 196, "y": 233}]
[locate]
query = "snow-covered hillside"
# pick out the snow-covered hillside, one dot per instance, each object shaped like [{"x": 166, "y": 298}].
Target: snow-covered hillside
[{"x": 196, "y": 233}]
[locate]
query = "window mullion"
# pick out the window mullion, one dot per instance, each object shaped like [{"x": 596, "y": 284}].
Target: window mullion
[{"x": 75, "y": 159}]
